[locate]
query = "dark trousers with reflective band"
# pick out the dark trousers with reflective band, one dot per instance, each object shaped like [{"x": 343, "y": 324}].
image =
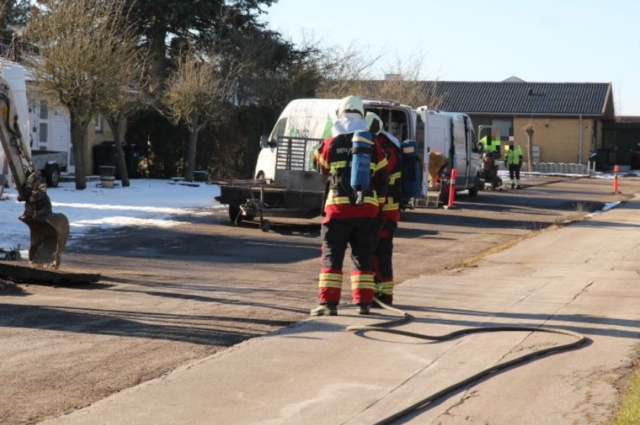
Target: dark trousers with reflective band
[
  {"x": 337, "y": 234},
  {"x": 514, "y": 173},
  {"x": 383, "y": 262}
]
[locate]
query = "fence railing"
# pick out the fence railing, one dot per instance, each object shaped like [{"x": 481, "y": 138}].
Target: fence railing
[{"x": 562, "y": 168}]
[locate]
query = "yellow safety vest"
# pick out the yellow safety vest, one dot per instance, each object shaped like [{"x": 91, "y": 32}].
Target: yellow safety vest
[
  {"x": 513, "y": 156},
  {"x": 491, "y": 147}
]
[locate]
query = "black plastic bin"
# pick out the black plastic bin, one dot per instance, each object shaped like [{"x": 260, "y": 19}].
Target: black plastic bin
[{"x": 104, "y": 154}]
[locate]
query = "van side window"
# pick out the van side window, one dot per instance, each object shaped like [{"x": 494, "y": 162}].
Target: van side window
[{"x": 278, "y": 131}]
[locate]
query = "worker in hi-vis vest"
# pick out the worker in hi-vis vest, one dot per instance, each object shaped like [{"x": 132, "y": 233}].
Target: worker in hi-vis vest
[
  {"x": 491, "y": 145},
  {"x": 513, "y": 161}
]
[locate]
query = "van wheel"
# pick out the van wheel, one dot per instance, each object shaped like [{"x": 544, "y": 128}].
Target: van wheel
[
  {"x": 473, "y": 191},
  {"x": 52, "y": 175}
]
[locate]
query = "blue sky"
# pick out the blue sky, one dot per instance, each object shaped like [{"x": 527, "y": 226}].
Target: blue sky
[{"x": 490, "y": 40}]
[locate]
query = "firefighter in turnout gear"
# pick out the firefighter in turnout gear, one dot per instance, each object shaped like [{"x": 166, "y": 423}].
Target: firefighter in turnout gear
[
  {"x": 390, "y": 214},
  {"x": 513, "y": 161},
  {"x": 347, "y": 222}
]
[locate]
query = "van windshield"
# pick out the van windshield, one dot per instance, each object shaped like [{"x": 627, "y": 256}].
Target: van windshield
[{"x": 278, "y": 131}]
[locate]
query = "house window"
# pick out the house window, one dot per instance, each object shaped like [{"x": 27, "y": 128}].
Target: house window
[{"x": 98, "y": 123}]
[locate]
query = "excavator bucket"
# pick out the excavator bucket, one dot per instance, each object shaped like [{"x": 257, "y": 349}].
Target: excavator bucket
[
  {"x": 49, "y": 230},
  {"x": 49, "y": 237}
]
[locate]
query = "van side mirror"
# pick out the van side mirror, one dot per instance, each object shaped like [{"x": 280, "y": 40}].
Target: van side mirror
[{"x": 264, "y": 141}]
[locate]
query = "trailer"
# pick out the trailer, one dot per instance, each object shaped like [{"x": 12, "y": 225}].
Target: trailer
[
  {"x": 297, "y": 191},
  {"x": 50, "y": 164}
]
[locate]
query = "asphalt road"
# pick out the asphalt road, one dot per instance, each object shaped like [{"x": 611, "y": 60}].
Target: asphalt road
[{"x": 170, "y": 296}]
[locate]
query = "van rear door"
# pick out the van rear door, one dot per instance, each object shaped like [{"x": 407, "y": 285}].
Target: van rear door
[{"x": 461, "y": 146}]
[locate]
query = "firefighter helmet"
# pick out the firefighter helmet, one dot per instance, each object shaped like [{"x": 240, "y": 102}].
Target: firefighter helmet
[
  {"x": 374, "y": 123},
  {"x": 351, "y": 104}
]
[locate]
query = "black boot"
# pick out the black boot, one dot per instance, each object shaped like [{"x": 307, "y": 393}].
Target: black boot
[
  {"x": 364, "y": 308},
  {"x": 325, "y": 309}
]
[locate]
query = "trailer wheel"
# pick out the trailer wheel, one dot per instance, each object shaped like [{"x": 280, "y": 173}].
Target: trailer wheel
[
  {"x": 235, "y": 214},
  {"x": 52, "y": 175},
  {"x": 265, "y": 225}
]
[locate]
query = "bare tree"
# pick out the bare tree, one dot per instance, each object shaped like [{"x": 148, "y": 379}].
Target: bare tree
[
  {"x": 354, "y": 70},
  {"x": 132, "y": 95},
  {"x": 86, "y": 49},
  {"x": 530, "y": 130},
  {"x": 197, "y": 94}
]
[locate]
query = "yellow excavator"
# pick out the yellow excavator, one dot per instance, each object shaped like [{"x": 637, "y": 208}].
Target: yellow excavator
[{"x": 49, "y": 230}]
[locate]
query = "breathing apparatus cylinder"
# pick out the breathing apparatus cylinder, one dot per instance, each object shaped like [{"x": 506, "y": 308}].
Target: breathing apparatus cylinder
[
  {"x": 361, "y": 151},
  {"x": 411, "y": 170}
]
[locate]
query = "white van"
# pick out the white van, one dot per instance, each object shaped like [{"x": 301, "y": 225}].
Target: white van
[
  {"x": 314, "y": 118},
  {"x": 451, "y": 134}
]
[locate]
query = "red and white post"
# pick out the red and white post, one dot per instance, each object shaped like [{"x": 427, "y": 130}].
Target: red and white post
[
  {"x": 616, "y": 170},
  {"x": 452, "y": 187}
]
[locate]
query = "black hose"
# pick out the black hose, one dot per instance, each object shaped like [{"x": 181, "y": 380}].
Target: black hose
[{"x": 579, "y": 339}]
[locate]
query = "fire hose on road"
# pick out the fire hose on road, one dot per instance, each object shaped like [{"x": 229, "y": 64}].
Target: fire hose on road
[{"x": 387, "y": 327}]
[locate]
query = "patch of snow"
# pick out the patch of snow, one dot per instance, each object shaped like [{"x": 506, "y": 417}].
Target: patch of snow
[{"x": 148, "y": 203}]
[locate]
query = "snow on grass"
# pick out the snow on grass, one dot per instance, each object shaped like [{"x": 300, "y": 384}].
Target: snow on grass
[{"x": 146, "y": 203}]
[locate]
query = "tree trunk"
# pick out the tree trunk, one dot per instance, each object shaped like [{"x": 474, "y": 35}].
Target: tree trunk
[
  {"x": 530, "y": 148},
  {"x": 158, "y": 60},
  {"x": 118, "y": 124},
  {"x": 79, "y": 141},
  {"x": 191, "y": 156}
]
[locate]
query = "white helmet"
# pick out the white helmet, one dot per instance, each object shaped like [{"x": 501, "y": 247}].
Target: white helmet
[
  {"x": 374, "y": 123},
  {"x": 351, "y": 104}
]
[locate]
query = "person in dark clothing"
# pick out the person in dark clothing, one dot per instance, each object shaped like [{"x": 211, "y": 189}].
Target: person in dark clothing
[
  {"x": 390, "y": 212},
  {"x": 345, "y": 222}
]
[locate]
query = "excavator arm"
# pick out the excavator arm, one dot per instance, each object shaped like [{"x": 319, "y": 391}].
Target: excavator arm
[{"x": 49, "y": 230}]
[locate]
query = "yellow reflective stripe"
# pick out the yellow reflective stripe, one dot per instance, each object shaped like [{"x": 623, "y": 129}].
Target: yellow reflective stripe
[
  {"x": 382, "y": 200},
  {"x": 338, "y": 164},
  {"x": 385, "y": 288},
  {"x": 332, "y": 199},
  {"x": 361, "y": 278},
  {"x": 345, "y": 200},
  {"x": 320, "y": 159},
  {"x": 382, "y": 164},
  {"x": 360, "y": 138},
  {"x": 338, "y": 201},
  {"x": 395, "y": 176},
  {"x": 391, "y": 207},
  {"x": 362, "y": 281},
  {"x": 330, "y": 280},
  {"x": 331, "y": 284},
  {"x": 331, "y": 276}
]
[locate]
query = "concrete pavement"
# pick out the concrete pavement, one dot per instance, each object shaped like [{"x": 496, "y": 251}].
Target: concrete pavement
[{"x": 584, "y": 277}]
